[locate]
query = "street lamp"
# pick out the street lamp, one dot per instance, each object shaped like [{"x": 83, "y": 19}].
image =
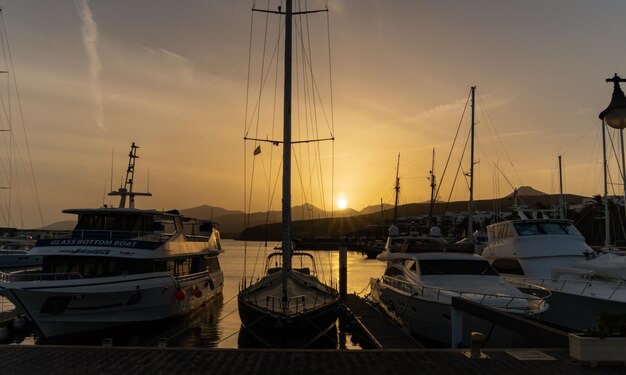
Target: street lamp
[{"x": 614, "y": 116}]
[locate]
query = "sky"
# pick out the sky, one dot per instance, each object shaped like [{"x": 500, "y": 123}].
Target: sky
[{"x": 171, "y": 76}]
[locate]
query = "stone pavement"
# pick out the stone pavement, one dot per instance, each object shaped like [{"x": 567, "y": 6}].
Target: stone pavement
[{"x": 49, "y": 360}]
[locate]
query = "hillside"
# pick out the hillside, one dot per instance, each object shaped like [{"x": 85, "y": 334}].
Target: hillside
[{"x": 233, "y": 222}]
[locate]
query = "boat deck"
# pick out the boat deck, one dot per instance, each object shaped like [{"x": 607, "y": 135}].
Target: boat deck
[{"x": 18, "y": 359}]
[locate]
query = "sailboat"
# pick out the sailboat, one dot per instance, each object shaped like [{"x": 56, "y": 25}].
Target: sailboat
[{"x": 289, "y": 305}]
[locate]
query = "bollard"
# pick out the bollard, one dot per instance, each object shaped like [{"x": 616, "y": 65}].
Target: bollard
[
  {"x": 456, "y": 325},
  {"x": 343, "y": 270},
  {"x": 107, "y": 342},
  {"x": 162, "y": 342},
  {"x": 477, "y": 342}
]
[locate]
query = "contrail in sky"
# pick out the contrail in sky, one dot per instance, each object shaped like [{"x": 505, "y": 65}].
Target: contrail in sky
[{"x": 90, "y": 40}]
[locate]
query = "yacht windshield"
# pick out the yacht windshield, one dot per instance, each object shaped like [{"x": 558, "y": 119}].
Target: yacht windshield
[
  {"x": 456, "y": 267},
  {"x": 533, "y": 229},
  {"x": 115, "y": 222}
]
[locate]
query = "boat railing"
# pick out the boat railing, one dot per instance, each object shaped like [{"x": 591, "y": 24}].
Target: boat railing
[
  {"x": 193, "y": 276},
  {"x": 581, "y": 287},
  {"x": 295, "y": 303},
  {"x": 22, "y": 276},
  {"x": 527, "y": 304}
]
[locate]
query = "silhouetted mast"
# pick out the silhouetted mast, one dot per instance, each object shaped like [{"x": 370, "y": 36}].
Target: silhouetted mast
[
  {"x": 433, "y": 186},
  {"x": 470, "y": 209},
  {"x": 397, "y": 188},
  {"x": 127, "y": 189}
]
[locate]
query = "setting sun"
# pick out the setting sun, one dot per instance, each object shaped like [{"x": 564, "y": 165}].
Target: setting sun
[{"x": 342, "y": 203}]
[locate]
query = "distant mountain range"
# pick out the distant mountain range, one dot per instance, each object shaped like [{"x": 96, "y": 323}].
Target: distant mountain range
[{"x": 233, "y": 222}]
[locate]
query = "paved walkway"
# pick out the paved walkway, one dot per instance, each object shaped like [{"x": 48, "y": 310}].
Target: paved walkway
[{"x": 49, "y": 360}]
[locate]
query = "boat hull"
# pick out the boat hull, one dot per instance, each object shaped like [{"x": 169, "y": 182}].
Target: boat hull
[
  {"x": 430, "y": 321},
  {"x": 70, "y": 308},
  {"x": 297, "y": 330},
  {"x": 587, "y": 307}
]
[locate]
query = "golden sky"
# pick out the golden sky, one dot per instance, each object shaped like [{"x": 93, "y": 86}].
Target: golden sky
[{"x": 94, "y": 76}]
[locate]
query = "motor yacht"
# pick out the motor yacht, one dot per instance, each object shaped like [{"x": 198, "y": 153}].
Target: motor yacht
[{"x": 421, "y": 278}]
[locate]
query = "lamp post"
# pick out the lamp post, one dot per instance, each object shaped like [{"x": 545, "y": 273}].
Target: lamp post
[{"x": 614, "y": 116}]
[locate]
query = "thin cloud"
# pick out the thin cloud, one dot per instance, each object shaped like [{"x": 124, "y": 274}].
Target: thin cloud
[{"x": 90, "y": 41}]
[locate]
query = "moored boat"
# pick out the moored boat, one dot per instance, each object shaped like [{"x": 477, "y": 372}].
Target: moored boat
[
  {"x": 421, "y": 278},
  {"x": 119, "y": 266},
  {"x": 552, "y": 253},
  {"x": 288, "y": 306}
]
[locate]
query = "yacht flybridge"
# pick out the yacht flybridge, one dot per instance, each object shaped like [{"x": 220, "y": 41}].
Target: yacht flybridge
[{"x": 119, "y": 266}]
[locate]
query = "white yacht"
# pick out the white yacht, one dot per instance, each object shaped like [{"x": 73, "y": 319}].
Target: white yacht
[
  {"x": 118, "y": 266},
  {"x": 552, "y": 253},
  {"x": 421, "y": 278}
]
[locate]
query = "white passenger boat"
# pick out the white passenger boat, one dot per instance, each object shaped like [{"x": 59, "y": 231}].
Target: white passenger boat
[
  {"x": 119, "y": 266},
  {"x": 421, "y": 278},
  {"x": 552, "y": 253}
]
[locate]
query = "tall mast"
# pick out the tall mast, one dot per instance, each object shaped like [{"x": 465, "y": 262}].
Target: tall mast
[
  {"x": 470, "y": 208},
  {"x": 561, "y": 198},
  {"x": 433, "y": 185},
  {"x": 287, "y": 154},
  {"x": 127, "y": 189},
  {"x": 397, "y": 188}
]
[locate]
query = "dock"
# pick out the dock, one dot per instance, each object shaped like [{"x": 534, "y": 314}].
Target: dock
[
  {"x": 370, "y": 323},
  {"x": 19, "y": 359}
]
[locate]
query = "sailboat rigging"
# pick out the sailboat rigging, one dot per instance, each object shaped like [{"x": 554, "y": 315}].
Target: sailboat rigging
[{"x": 288, "y": 301}]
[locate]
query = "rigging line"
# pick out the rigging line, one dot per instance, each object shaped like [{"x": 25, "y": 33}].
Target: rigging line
[
  {"x": 245, "y": 123},
  {"x": 264, "y": 77},
  {"x": 582, "y": 136},
  {"x": 459, "y": 167},
  {"x": 19, "y": 104},
  {"x": 330, "y": 74},
  {"x": 503, "y": 175},
  {"x": 262, "y": 72},
  {"x": 482, "y": 104},
  {"x": 445, "y": 168}
]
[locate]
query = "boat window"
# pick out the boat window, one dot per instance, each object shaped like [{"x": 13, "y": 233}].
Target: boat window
[
  {"x": 508, "y": 266},
  {"x": 393, "y": 272},
  {"x": 456, "y": 267},
  {"x": 571, "y": 229},
  {"x": 90, "y": 267},
  {"x": 532, "y": 229},
  {"x": 554, "y": 228},
  {"x": 183, "y": 267},
  {"x": 114, "y": 222},
  {"x": 527, "y": 229},
  {"x": 410, "y": 264}
]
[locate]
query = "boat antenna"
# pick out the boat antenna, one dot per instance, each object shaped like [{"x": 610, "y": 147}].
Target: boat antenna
[
  {"x": 470, "y": 208},
  {"x": 397, "y": 188},
  {"x": 433, "y": 186},
  {"x": 127, "y": 189},
  {"x": 561, "y": 197}
]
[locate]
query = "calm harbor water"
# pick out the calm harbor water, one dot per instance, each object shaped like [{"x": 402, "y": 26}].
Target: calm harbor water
[{"x": 218, "y": 325}]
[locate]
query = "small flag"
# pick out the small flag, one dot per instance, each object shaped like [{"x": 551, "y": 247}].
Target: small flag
[{"x": 257, "y": 150}]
